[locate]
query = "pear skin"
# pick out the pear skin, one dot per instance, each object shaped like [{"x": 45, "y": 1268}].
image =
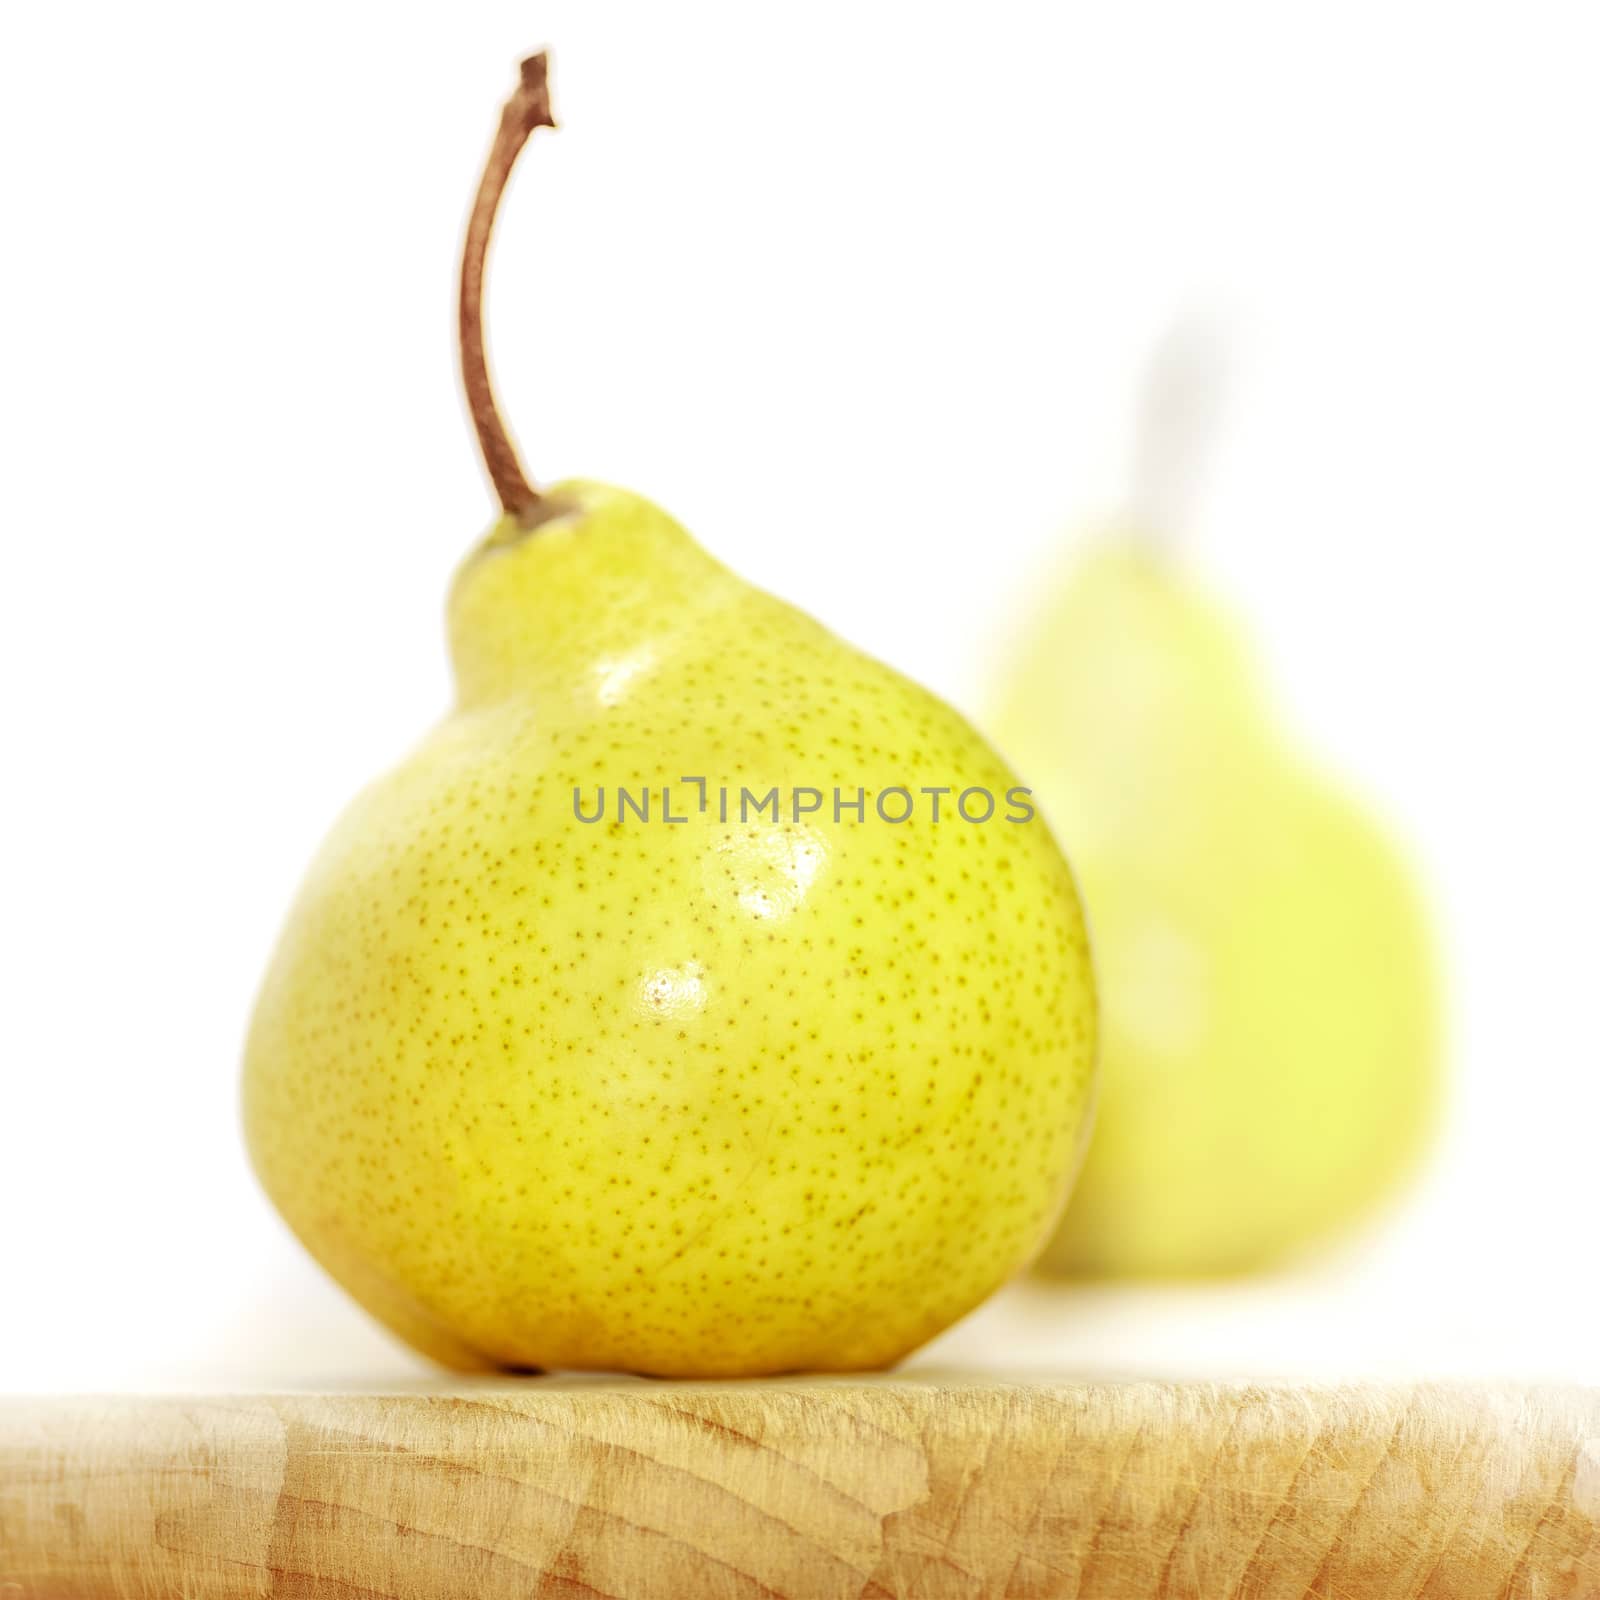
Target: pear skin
[{"x": 692, "y": 1098}]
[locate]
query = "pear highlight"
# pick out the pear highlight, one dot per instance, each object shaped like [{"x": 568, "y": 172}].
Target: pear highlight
[{"x": 679, "y": 1094}]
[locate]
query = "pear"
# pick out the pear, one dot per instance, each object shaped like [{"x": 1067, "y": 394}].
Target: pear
[
  {"x": 624, "y": 1025},
  {"x": 1270, "y": 1026}
]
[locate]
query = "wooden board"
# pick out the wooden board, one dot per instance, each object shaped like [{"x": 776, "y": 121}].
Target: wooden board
[{"x": 915, "y": 1486}]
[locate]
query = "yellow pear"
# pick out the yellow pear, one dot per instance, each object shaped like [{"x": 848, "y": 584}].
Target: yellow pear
[
  {"x": 1270, "y": 1027},
  {"x": 626, "y": 1025}
]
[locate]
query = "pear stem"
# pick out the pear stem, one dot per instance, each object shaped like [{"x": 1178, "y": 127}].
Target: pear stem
[
  {"x": 527, "y": 109},
  {"x": 1177, "y": 418}
]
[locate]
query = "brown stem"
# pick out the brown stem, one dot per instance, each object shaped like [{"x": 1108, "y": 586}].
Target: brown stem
[{"x": 527, "y": 109}]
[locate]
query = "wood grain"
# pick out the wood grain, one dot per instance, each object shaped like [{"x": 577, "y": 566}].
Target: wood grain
[{"x": 889, "y": 1487}]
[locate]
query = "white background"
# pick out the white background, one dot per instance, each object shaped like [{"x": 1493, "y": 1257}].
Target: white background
[{"x": 862, "y": 292}]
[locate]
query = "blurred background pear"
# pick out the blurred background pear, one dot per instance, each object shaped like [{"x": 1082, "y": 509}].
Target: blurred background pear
[{"x": 1270, "y": 1014}]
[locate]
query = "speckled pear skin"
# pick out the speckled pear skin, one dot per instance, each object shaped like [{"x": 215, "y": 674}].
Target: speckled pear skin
[
  {"x": 1270, "y": 1007},
  {"x": 691, "y": 1099}
]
